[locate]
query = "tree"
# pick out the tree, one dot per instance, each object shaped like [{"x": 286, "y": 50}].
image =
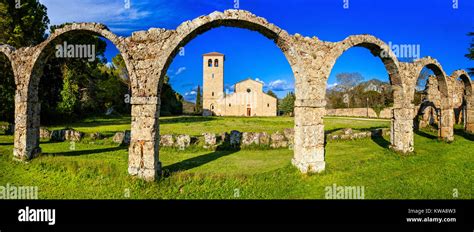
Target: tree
[
  {"x": 198, "y": 108},
  {"x": 271, "y": 93},
  {"x": 287, "y": 104},
  {"x": 171, "y": 101},
  {"x": 24, "y": 26},
  {"x": 21, "y": 27},
  {"x": 69, "y": 93},
  {"x": 470, "y": 55}
]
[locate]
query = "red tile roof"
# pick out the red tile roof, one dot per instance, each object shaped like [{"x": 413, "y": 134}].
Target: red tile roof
[{"x": 213, "y": 54}]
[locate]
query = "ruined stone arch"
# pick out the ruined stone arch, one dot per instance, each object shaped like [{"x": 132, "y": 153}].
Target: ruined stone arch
[
  {"x": 466, "y": 79},
  {"x": 44, "y": 50},
  {"x": 446, "y": 113},
  {"x": 163, "y": 47},
  {"x": 32, "y": 61},
  {"x": 189, "y": 30},
  {"x": 401, "y": 137},
  {"x": 377, "y": 47},
  {"x": 468, "y": 98},
  {"x": 433, "y": 65}
]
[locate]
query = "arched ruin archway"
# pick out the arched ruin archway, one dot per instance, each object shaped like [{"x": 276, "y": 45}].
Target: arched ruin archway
[
  {"x": 401, "y": 138},
  {"x": 27, "y": 105},
  {"x": 468, "y": 101},
  {"x": 144, "y": 148},
  {"x": 446, "y": 113}
]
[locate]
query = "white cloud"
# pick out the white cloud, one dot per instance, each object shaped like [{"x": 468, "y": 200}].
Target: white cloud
[
  {"x": 280, "y": 85},
  {"x": 190, "y": 93},
  {"x": 258, "y": 79},
  {"x": 330, "y": 86},
  {"x": 112, "y": 13},
  {"x": 180, "y": 70}
]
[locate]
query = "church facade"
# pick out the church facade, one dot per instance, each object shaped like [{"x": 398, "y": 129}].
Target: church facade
[{"x": 248, "y": 98}]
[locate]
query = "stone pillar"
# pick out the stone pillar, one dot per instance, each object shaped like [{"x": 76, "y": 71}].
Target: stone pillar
[
  {"x": 401, "y": 130},
  {"x": 446, "y": 125},
  {"x": 27, "y": 123},
  {"x": 143, "y": 156},
  {"x": 469, "y": 119},
  {"x": 309, "y": 138}
]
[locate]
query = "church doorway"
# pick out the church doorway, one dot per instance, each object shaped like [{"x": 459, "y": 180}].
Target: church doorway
[{"x": 249, "y": 112}]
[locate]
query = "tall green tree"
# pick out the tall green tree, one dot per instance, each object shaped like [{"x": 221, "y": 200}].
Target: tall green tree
[
  {"x": 69, "y": 93},
  {"x": 287, "y": 104},
  {"x": 19, "y": 27},
  {"x": 171, "y": 101},
  {"x": 198, "y": 108}
]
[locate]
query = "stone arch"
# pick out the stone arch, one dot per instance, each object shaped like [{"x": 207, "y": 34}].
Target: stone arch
[
  {"x": 446, "y": 113},
  {"x": 428, "y": 113},
  {"x": 468, "y": 98},
  {"x": 401, "y": 117},
  {"x": 171, "y": 43},
  {"x": 27, "y": 102},
  {"x": 189, "y": 30},
  {"x": 44, "y": 50},
  {"x": 377, "y": 47}
]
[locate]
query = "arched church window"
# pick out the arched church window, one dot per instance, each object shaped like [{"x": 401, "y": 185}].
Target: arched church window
[
  {"x": 209, "y": 63},
  {"x": 213, "y": 94},
  {"x": 212, "y": 107},
  {"x": 216, "y": 63}
]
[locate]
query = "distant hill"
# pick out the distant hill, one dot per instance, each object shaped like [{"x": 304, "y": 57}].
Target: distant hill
[
  {"x": 188, "y": 107},
  {"x": 370, "y": 85}
]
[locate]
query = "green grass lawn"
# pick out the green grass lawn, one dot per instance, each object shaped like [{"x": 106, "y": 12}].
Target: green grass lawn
[
  {"x": 197, "y": 125},
  {"x": 100, "y": 170}
]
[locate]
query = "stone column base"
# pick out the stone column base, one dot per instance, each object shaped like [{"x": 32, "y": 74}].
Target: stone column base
[
  {"x": 470, "y": 128},
  {"x": 22, "y": 155},
  {"x": 309, "y": 167},
  {"x": 146, "y": 174}
]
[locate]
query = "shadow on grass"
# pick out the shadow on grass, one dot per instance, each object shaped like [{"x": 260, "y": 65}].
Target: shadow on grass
[
  {"x": 85, "y": 152},
  {"x": 186, "y": 119},
  {"x": 6, "y": 144},
  {"x": 197, "y": 161},
  {"x": 381, "y": 141},
  {"x": 357, "y": 129},
  {"x": 464, "y": 134},
  {"x": 426, "y": 135}
]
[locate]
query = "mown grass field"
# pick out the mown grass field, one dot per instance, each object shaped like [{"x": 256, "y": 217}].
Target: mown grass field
[{"x": 99, "y": 170}]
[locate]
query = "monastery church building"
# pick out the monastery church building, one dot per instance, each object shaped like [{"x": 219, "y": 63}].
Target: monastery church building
[{"x": 248, "y": 98}]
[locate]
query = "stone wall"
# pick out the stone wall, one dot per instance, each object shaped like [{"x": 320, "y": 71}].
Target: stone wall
[{"x": 352, "y": 112}]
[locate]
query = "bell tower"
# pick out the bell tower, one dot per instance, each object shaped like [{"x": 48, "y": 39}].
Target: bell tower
[{"x": 213, "y": 83}]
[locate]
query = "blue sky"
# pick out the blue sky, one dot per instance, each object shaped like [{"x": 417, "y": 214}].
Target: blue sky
[{"x": 435, "y": 25}]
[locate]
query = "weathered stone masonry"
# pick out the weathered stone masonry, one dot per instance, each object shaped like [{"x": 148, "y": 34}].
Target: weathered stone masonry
[{"x": 148, "y": 54}]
